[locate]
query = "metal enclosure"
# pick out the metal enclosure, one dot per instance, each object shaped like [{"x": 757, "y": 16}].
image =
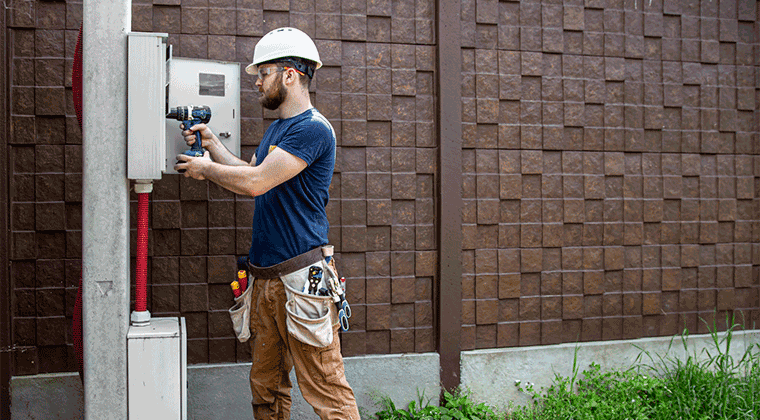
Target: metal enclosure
[
  {"x": 204, "y": 82},
  {"x": 148, "y": 54},
  {"x": 157, "y": 370}
]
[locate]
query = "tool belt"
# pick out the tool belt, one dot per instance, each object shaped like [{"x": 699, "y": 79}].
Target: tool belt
[
  {"x": 315, "y": 297},
  {"x": 286, "y": 267}
]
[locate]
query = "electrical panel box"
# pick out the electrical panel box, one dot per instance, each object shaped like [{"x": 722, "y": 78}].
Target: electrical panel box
[
  {"x": 204, "y": 82},
  {"x": 148, "y": 55},
  {"x": 157, "y": 370}
]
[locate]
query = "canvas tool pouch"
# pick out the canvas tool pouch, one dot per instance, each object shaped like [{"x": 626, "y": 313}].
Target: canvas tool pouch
[
  {"x": 240, "y": 314},
  {"x": 310, "y": 318}
]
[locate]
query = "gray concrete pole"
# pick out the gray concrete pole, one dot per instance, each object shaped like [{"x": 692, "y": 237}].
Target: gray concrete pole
[{"x": 105, "y": 208}]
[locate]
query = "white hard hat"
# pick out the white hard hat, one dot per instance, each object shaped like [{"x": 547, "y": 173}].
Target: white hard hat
[{"x": 281, "y": 43}]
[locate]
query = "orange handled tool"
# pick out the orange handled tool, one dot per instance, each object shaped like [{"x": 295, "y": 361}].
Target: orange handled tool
[
  {"x": 243, "y": 280},
  {"x": 236, "y": 288}
]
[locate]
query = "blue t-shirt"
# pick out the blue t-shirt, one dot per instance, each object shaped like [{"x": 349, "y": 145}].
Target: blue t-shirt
[{"x": 290, "y": 219}]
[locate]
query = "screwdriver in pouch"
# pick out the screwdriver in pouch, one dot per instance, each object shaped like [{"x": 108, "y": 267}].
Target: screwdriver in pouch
[
  {"x": 242, "y": 280},
  {"x": 236, "y": 288}
]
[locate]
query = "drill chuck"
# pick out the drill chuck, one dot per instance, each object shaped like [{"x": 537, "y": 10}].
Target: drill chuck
[{"x": 190, "y": 112}]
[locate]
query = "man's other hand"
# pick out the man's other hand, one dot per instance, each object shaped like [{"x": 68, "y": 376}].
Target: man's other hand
[{"x": 193, "y": 166}]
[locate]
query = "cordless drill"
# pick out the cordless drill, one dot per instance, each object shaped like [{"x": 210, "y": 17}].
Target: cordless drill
[{"x": 191, "y": 115}]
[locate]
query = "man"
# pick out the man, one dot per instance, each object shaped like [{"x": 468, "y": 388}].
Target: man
[{"x": 289, "y": 175}]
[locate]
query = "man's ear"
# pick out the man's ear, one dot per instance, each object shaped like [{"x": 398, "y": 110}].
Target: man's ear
[{"x": 290, "y": 77}]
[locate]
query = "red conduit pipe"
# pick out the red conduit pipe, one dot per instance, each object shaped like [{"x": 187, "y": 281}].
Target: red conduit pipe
[
  {"x": 141, "y": 316},
  {"x": 76, "y": 78},
  {"x": 141, "y": 281},
  {"x": 76, "y": 88}
]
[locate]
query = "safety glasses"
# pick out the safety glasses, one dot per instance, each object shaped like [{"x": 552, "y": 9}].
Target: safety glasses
[{"x": 264, "y": 72}]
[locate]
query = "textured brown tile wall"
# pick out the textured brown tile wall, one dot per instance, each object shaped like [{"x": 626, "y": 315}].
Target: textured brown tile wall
[
  {"x": 609, "y": 166},
  {"x": 610, "y": 169},
  {"x": 377, "y": 89},
  {"x": 45, "y": 160}
]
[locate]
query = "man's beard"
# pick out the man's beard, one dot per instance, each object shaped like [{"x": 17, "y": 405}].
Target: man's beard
[{"x": 277, "y": 98}]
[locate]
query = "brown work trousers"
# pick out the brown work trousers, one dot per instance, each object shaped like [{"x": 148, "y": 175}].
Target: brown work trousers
[{"x": 319, "y": 370}]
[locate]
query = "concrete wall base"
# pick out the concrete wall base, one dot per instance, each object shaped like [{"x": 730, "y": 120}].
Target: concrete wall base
[
  {"x": 491, "y": 375},
  {"x": 221, "y": 391}
]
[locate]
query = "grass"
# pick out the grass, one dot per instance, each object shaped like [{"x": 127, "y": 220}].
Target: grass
[
  {"x": 710, "y": 384},
  {"x": 456, "y": 406}
]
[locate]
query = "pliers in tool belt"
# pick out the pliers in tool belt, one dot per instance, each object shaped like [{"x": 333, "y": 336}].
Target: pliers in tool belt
[
  {"x": 339, "y": 297},
  {"x": 344, "y": 312}
]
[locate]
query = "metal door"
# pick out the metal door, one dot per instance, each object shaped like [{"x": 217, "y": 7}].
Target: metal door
[{"x": 204, "y": 82}]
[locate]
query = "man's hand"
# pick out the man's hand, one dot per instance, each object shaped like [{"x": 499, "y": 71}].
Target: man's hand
[
  {"x": 207, "y": 136},
  {"x": 193, "y": 166}
]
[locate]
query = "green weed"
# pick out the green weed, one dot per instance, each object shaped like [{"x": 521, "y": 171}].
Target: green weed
[
  {"x": 711, "y": 384},
  {"x": 457, "y": 406}
]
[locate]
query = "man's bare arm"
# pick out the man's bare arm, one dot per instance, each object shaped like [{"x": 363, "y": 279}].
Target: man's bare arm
[{"x": 278, "y": 167}]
